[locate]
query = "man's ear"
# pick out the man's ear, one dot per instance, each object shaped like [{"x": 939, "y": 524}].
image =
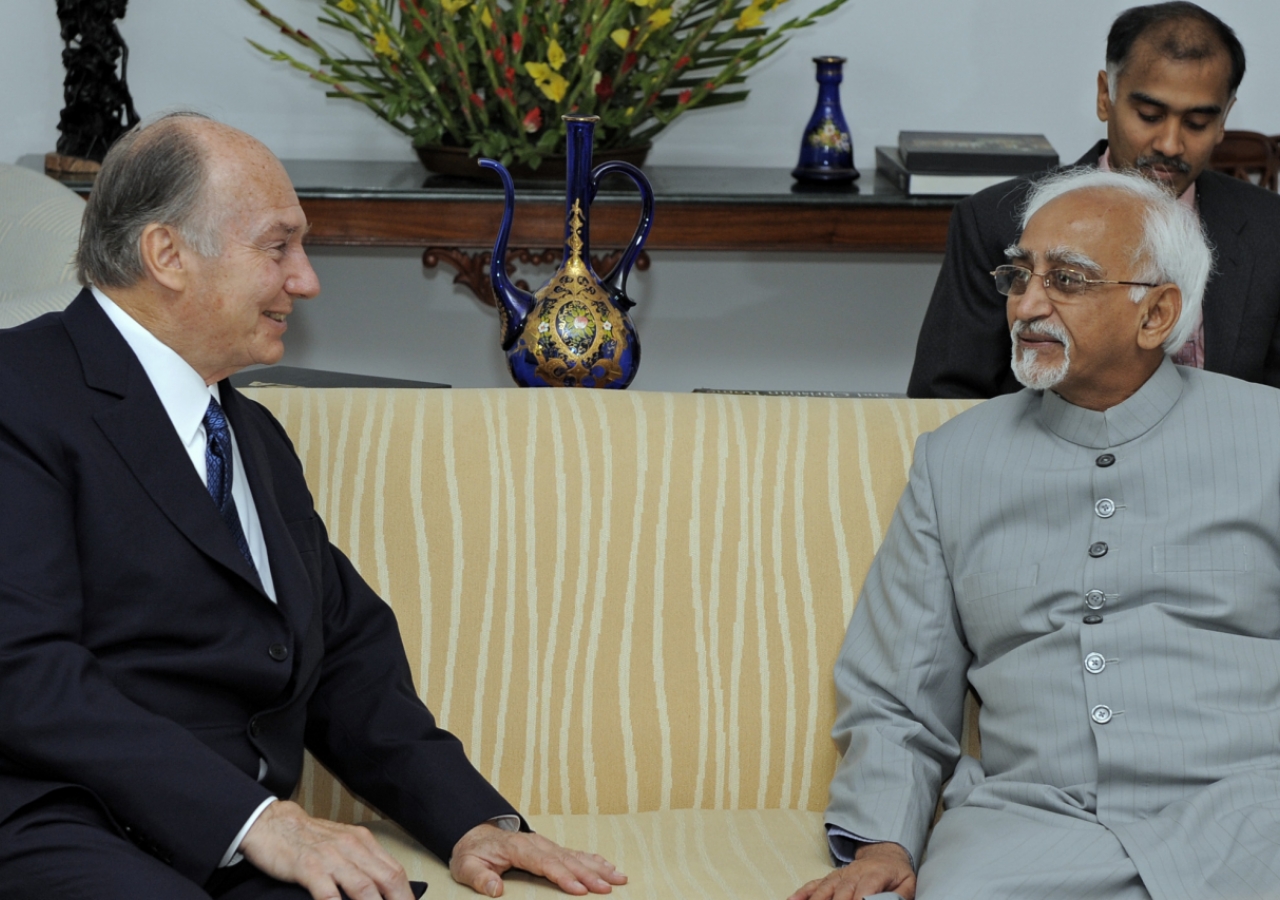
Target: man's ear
[
  {"x": 1159, "y": 313},
  {"x": 1104, "y": 97},
  {"x": 163, "y": 256}
]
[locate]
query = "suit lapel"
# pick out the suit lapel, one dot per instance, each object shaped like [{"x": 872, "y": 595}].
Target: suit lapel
[
  {"x": 141, "y": 432},
  {"x": 292, "y": 586},
  {"x": 1227, "y": 295}
]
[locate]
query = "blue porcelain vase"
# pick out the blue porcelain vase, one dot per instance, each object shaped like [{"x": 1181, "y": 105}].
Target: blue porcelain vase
[
  {"x": 826, "y": 150},
  {"x": 574, "y": 331}
]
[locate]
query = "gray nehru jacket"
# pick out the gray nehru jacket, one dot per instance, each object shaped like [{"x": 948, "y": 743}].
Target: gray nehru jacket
[{"x": 1109, "y": 584}]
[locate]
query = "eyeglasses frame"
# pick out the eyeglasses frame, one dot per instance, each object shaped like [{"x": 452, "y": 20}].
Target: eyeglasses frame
[{"x": 1032, "y": 273}]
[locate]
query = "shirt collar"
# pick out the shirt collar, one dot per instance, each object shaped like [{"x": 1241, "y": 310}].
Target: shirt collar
[
  {"x": 182, "y": 391},
  {"x": 1120, "y": 424},
  {"x": 1187, "y": 199}
]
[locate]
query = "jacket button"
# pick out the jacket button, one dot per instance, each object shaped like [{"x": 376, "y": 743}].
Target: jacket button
[
  {"x": 278, "y": 652},
  {"x": 1092, "y": 620},
  {"x": 1105, "y": 460},
  {"x": 1097, "y": 549},
  {"x": 1095, "y": 663},
  {"x": 255, "y": 728},
  {"x": 1095, "y": 599},
  {"x": 1105, "y": 508},
  {"x": 1100, "y": 714}
]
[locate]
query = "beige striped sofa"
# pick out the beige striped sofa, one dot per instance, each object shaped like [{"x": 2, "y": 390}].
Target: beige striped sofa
[{"x": 627, "y": 605}]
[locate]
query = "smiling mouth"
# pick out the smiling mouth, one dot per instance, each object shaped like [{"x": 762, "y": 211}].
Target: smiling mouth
[
  {"x": 276, "y": 316},
  {"x": 1032, "y": 337}
]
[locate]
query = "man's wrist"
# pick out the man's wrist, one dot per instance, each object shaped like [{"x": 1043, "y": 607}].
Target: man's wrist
[{"x": 233, "y": 855}]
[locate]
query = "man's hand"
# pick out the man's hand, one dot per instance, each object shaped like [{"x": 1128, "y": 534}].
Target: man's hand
[
  {"x": 486, "y": 851},
  {"x": 322, "y": 856},
  {"x": 876, "y": 868}
]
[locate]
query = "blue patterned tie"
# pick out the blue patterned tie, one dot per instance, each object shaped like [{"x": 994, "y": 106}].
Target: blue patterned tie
[{"x": 217, "y": 461}]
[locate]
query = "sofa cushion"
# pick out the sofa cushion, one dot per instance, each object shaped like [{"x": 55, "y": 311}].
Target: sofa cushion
[
  {"x": 736, "y": 855},
  {"x": 619, "y": 601}
]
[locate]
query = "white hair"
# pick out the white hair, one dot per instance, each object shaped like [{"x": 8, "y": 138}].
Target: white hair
[{"x": 1173, "y": 249}]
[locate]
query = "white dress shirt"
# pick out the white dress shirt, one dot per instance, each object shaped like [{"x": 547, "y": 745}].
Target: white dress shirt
[{"x": 185, "y": 398}]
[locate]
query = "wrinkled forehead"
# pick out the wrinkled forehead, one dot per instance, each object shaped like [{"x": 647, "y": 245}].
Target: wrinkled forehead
[
  {"x": 250, "y": 190},
  {"x": 1088, "y": 228}
]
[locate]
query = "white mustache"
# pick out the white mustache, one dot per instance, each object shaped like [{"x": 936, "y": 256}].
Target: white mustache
[{"x": 1049, "y": 329}]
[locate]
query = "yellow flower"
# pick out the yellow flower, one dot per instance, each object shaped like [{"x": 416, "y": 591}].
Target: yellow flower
[
  {"x": 382, "y": 44},
  {"x": 555, "y": 87},
  {"x": 551, "y": 84},
  {"x": 486, "y": 18},
  {"x": 555, "y": 55},
  {"x": 347, "y": 5},
  {"x": 452, "y": 6},
  {"x": 659, "y": 17},
  {"x": 752, "y": 17},
  {"x": 621, "y": 36},
  {"x": 642, "y": 2}
]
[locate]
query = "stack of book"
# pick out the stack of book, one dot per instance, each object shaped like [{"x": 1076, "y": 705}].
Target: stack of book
[{"x": 957, "y": 164}]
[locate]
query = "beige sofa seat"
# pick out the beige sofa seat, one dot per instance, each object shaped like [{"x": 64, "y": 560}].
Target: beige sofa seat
[{"x": 626, "y": 605}]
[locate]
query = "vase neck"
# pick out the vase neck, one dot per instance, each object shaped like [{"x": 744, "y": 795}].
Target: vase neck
[{"x": 577, "y": 200}]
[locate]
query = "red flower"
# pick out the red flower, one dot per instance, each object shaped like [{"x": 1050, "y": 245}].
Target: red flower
[
  {"x": 628, "y": 63},
  {"x": 417, "y": 24},
  {"x": 710, "y": 85},
  {"x": 475, "y": 98},
  {"x": 533, "y": 120},
  {"x": 425, "y": 54},
  {"x": 684, "y": 96},
  {"x": 498, "y": 56},
  {"x": 517, "y": 42},
  {"x": 510, "y": 74},
  {"x": 439, "y": 50},
  {"x": 682, "y": 62},
  {"x": 505, "y": 93},
  {"x": 604, "y": 90}
]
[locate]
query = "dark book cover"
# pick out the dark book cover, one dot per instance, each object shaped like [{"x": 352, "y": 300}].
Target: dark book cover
[
  {"x": 930, "y": 184},
  {"x": 961, "y": 153}
]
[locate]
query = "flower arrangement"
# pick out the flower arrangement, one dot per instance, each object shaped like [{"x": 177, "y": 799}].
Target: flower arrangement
[{"x": 494, "y": 76}]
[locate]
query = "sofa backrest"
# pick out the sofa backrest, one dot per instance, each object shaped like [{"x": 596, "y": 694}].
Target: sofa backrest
[{"x": 618, "y": 601}]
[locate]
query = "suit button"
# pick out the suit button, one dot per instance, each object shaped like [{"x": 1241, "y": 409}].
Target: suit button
[
  {"x": 1092, "y": 620},
  {"x": 1105, "y": 460},
  {"x": 1097, "y": 549},
  {"x": 255, "y": 728},
  {"x": 1105, "y": 508},
  {"x": 1100, "y": 714},
  {"x": 278, "y": 652},
  {"x": 1094, "y": 663},
  {"x": 1095, "y": 599}
]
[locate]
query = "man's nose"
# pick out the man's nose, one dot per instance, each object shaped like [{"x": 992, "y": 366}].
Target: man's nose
[
  {"x": 1031, "y": 304},
  {"x": 1168, "y": 140},
  {"x": 302, "y": 283}
]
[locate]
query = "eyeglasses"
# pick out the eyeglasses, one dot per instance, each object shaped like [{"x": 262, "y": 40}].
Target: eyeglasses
[{"x": 1013, "y": 281}]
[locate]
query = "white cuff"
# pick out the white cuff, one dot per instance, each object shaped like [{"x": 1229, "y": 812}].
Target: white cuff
[
  {"x": 506, "y": 823},
  {"x": 233, "y": 854}
]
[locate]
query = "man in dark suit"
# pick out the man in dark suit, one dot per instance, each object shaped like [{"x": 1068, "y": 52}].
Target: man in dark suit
[
  {"x": 175, "y": 626},
  {"x": 1171, "y": 78}
]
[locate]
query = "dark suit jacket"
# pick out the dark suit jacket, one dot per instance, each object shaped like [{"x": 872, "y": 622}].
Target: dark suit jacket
[
  {"x": 963, "y": 349},
  {"x": 140, "y": 659}
]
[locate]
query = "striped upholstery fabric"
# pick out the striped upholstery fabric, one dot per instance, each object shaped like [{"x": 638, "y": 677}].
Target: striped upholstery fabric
[
  {"x": 39, "y": 231},
  {"x": 620, "y": 602}
]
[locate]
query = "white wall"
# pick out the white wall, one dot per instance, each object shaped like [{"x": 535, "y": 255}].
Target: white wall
[{"x": 731, "y": 320}]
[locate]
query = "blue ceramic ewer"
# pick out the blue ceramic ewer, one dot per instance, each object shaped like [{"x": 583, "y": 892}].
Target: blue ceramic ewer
[{"x": 574, "y": 331}]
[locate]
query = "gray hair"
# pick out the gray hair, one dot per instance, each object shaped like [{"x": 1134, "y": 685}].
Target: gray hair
[
  {"x": 1173, "y": 249},
  {"x": 154, "y": 174}
]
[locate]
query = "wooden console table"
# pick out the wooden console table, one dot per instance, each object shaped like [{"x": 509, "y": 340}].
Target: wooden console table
[{"x": 397, "y": 204}]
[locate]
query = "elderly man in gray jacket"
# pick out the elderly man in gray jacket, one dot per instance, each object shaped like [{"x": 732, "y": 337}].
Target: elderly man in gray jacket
[{"x": 1098, "y": 558}]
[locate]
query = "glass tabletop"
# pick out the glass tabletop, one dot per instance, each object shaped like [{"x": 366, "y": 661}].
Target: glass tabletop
[{"x": 372, "y": 180}]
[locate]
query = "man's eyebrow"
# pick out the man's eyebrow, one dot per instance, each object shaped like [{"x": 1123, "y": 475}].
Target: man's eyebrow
[
  {"x": 1013, "y": 251},
  {"x": 1211, "y": 109},
  {"x": 1065, "y": 256},
  {"x": 286, "y": 229}
]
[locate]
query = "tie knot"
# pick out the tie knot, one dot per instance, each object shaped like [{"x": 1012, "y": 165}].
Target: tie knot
[{"x": 215, "y": 420}]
